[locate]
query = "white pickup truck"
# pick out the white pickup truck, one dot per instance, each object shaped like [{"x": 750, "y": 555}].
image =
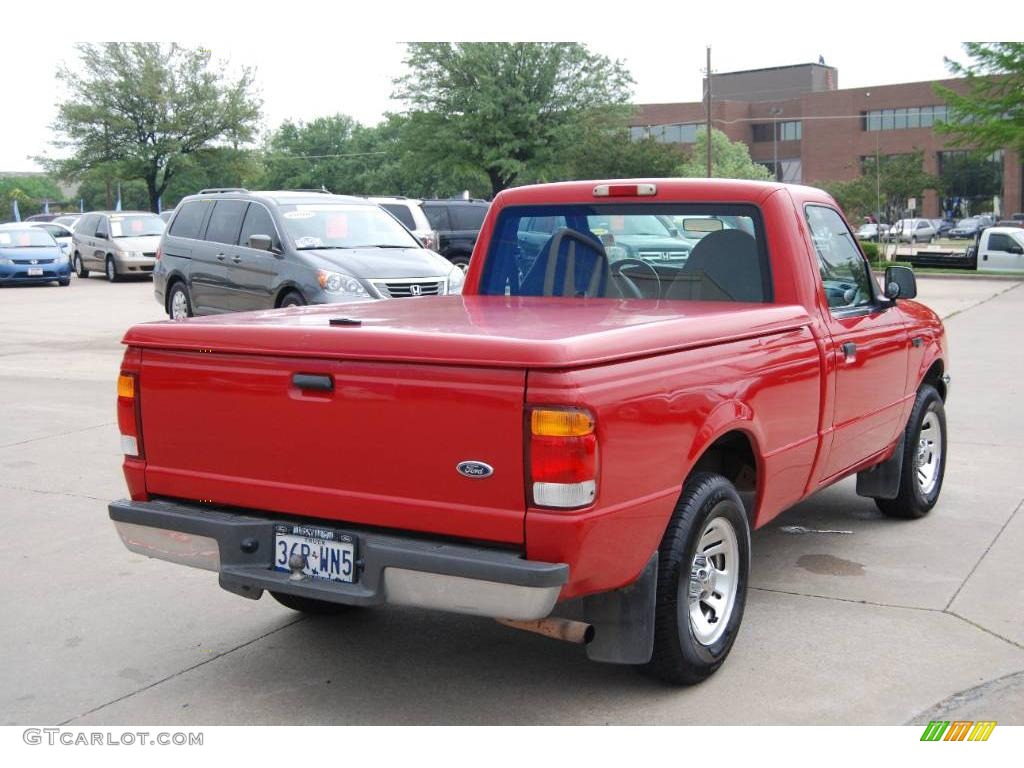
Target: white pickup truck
[{"x": 1001, "y": 249}]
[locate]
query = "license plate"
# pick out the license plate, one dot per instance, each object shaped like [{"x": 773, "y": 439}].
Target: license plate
[
  {"x": 327, "y": 554},
  {"x": 34, "y": 271}
]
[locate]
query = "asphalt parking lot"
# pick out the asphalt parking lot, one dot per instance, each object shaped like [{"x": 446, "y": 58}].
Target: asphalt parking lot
[{"x": 852, "y": 618}]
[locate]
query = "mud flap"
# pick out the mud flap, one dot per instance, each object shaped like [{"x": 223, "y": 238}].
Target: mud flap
[
  {"x": 882, "y": 481},
  {"x": 623, "y": 620}
]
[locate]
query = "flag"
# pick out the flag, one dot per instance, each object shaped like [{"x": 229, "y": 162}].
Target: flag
[
  {"x": 81, "y": 205},
  {"x": 14, "y": 210},
  {"x": 118, "y": 206},
  {"x": 160, "y": 204},
  {"x": 46, "y": 206}
]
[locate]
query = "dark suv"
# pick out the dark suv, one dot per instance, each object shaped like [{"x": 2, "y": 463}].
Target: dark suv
[
  {"x": 231, "y": 250},
  {"x": 457, "y": 223}
]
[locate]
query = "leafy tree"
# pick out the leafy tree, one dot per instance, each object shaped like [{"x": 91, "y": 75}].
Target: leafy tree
[
  {"x": 899, "y": 178},
  {"x": 30, "y": 192},
  {"x": 990, "y": 115},
  {"x": 729, "y": 159},
  {"x": 606, "y": 151},
  {"x": 146, "y": 108},
  {"x": 502, "y": 108}
]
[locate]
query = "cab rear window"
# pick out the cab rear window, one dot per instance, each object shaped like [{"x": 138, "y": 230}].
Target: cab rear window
[{"x": 681, "y": 252}]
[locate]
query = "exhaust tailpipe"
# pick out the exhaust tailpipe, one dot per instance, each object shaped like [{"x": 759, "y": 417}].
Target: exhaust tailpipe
[{"x": 568, "y": 630}]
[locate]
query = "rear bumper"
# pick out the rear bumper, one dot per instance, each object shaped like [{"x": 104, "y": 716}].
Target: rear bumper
[{"x": 396, "y": 569}]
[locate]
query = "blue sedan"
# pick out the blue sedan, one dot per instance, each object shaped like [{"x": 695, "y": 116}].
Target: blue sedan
[{"x": 30, "y": 255}]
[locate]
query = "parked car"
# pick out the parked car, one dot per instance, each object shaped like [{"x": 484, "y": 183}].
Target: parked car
[
  {"x": 60, "y": 233},
  {"x": 914, "y": 230},
  {"x": 562, "y": 447},
  {"x": 29, "y": 255},
  {"x": 42, "y": 217},
  {"x": 942, "y": 226},
  {"x": 410, "y": 213},
  {"x": 166, "y": 215},
  {"x": 67, "y": 220},
  {"x": 1001, "y": 249},
  {"x": 967, "y": 228},
  {"x": 231, "y": 249},
  {"x": 119, "y": 243},
  {"x": 872, "y": 231},
  {"x": 457, "y": 223}
]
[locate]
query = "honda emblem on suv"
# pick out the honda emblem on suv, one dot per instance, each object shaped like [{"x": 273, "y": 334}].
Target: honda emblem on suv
[{"x": 415, "y": 290}]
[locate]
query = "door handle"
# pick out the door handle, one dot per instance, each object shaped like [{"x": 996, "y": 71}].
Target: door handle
[
  {"x": 849, "y": 352},
  {"x": 313, "y": 381},
  {"x": 221, "y": 257},
  {"x": 236, "y": 259}
]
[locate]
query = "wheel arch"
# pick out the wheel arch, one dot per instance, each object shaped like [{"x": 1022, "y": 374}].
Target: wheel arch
[
  {"x": 731, "y": 448},
  {"x": 935, "y": 375},
  {"x": 283, "y": 290}
]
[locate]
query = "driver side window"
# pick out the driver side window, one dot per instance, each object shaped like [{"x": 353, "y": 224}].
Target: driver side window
[{"x": 844, "y": 270}]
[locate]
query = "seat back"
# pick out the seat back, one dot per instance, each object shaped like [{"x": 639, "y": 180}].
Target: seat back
[{"x": 724, "y": 266}]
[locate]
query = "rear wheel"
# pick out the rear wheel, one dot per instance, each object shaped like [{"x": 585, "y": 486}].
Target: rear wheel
[
  {"x": 703, "y": 566},
  {"x": 80, "y": 269},
  {"x": 111, "y": 268},
  {"x": 924, "y": 458},
  {"x": 179, "y": 304},
  {"x": 293, "y": 299},
  {"x": 309, "y": 605}
]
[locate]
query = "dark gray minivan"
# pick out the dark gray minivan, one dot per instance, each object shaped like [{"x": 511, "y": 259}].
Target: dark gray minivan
[{"x": 228, "y": 250}]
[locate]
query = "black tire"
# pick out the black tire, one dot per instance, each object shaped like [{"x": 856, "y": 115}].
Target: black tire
[
  {"x": 461, "y": 261},
  {"x": 913, "y": 501},
  {"x": 176, "y": 288},
  {"x": 292, "y": 299},
  {"x": 80, "y": 269},
  {"x": 309, "y": 605},
  {"x": 64, "y": 283},
  {"x": 679, "y": 656},
  {"x": 111, "y": 270}
]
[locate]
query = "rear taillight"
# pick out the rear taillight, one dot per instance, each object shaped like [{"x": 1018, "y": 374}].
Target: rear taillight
[
  {"x": 158, "y": 254},
  {"x": 128, "y": 415},
  {"x": 563, "y": 457},
  {"x": 429, "y": 241},
  {"x": 625, "y": 190}
]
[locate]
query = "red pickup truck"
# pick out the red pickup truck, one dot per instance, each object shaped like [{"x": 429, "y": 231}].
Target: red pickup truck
[{"x": 636, "y": 375}]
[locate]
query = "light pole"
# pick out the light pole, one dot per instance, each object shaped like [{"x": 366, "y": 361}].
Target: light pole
[
  {"x": 878, "y": 171},
  {"x": 775, "y": 112}
]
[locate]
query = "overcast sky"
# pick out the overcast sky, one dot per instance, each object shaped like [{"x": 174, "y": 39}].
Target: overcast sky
[{"x": 323, "y": 58}]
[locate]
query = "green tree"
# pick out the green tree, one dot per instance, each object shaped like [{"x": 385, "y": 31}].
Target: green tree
[
  {"x": 146, "y": 108},
  {"x": 31, "y": 192},
  {"x": 502, "y": 109},
  {"x": 899, "y": 178},
  {"x": 729, "y": 159},
  {"x": 856, "y": 197},
  {"x": 990, "y": 115}
]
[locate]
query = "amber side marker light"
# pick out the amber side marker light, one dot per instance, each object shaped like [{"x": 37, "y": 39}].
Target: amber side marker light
[
  {"x": 126, "y": 386},
  {"x": 561, "y": 423}
]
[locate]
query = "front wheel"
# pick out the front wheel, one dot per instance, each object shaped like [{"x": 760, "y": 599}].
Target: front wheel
[
  {"x": 703, "y": 567},
  {"x": 111, "y": 268},
  {"x": 462, "y": 262},
  {"x": 293, "y": 299},
  {"x": 80, "y": 269},
  {"x": 924, "y": 458}
]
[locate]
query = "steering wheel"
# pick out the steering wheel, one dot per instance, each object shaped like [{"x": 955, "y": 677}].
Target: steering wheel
[{"x": 619, "y": 265}]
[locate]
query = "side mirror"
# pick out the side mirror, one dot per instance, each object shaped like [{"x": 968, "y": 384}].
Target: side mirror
[
  {"x": 261, "y": 242},
  {"x": 900, "y": 283},
  {"x": 1016, "y": 249}
]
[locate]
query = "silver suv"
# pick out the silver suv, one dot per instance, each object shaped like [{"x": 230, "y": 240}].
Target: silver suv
[{"x": 233, "y": 250}]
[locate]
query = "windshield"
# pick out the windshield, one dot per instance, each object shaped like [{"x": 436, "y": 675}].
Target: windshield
[
  {"x": 341, "y": 225},
  {"x": 30, "y": 237},
  {"x": 142, "y": 225},
  {"x": 601, "y": 251}
]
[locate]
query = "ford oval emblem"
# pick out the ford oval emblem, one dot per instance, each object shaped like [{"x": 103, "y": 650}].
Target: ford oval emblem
[{"x": 474, "y": 469}]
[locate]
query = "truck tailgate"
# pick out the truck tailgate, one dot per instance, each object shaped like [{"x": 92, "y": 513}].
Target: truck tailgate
[{"x": 379, "y": 448}]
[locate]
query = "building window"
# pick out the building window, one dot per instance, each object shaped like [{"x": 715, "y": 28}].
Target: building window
[
  {"x": 904, "y": 117},
  {"x": 788, "y": 171},
  {"x": 790, "y": 130},
  {"x": 668, "y": 133}
]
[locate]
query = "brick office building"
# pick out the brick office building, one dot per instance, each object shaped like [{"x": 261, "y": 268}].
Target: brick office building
[{"x": 796, "y": 120}]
